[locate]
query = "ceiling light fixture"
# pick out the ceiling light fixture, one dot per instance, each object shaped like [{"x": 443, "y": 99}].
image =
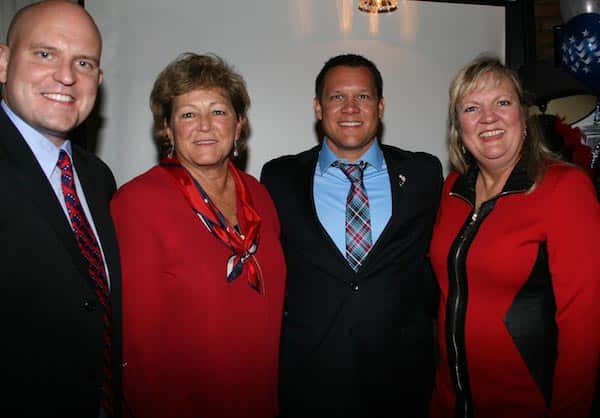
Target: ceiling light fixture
[{"x": 377, "y": 6}]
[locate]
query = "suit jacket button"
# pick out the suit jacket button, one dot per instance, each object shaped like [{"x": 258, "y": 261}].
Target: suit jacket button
[
  {"x": 89, "y": 305},
  {"x": 354, "y": 286}
]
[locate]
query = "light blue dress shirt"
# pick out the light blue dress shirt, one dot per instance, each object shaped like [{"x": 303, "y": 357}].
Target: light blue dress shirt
[
  {"x": 46, "y": 154},
  {"x": 331, "y": 187}
]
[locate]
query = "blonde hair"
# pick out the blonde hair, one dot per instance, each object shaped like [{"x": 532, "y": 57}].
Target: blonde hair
[{"x": 534, "y": 153}]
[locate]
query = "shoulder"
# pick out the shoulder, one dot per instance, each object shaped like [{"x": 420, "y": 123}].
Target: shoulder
[
  {"x": 421, "y": 162},
  {"x": 90, "y": 160},
  {"x": 252, "y": 183},
  {"x": 398, "y": 154},
  {"x": 423, "y": 169},
  {"x": 289, "y": 163},
  {"x": 566, "y": 178},
  {"x": 93, "y": 164},
  {"x": 558, "y": 170},
  {"x": 258, "y": 191},
  {"x": 282, "y": 174},
  {"x": 151, "y": 183}
]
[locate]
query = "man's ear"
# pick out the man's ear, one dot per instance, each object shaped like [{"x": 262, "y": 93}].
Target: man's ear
[
  {"x": 100, "y": 76},
  {"x": 318, "y": 109},
  {"x": 4, "y": 58}
]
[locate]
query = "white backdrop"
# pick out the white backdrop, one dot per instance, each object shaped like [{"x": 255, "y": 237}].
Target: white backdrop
[{"x": 279, "y": 46}]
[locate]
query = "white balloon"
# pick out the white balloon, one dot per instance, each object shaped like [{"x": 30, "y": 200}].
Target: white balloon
[{"x": 571, "y": 8}]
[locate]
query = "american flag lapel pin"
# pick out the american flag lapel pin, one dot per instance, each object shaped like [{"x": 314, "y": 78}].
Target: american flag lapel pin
[{"x": 401, "y": 180}]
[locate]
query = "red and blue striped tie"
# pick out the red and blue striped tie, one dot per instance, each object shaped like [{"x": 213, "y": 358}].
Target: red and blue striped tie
[
  {"x": 90, "y": 250},
  {"x": 358, "y": 218}
]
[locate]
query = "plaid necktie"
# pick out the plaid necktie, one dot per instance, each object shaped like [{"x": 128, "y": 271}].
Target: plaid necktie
[
  {"x": 358, "y": 218},
  {"x": 88, "y": 245}
]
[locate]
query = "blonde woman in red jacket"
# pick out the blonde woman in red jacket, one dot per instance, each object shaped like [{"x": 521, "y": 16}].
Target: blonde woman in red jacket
[{"x": 515, "y": 252}]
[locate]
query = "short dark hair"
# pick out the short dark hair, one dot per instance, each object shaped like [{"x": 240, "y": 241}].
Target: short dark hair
[{"x": 349, "y": 60}]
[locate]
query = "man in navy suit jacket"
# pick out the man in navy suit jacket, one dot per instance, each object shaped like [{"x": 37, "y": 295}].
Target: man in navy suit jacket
[
  {"x": 356, "y": 339},
  {"x": 52, "y": 322}
]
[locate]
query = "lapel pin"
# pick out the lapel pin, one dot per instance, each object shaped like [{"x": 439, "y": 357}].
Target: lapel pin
[{"x": 401, "y": 180}]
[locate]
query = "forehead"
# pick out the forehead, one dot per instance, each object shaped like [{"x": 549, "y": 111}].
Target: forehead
[
  {"x": 489, "y": 83},
  {"x": 202, "y": 95},
  {"x": 344, "y": 77},
  {"x": 57, "y": 27}
]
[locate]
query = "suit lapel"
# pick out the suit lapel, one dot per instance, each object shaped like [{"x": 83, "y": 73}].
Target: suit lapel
[
  {"x": 98, "y": 206},
  {"x": 397, "y": 179},
  {"x": 325, "y": 249},
  {"x": 33, "y": 186}
]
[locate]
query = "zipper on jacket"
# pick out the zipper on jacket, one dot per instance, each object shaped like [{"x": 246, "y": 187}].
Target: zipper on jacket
[
  {"x": 457, "y": 372},
  {"x": 458, "y": 296}
]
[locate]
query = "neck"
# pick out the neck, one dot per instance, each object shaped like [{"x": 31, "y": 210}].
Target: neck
[
  {"x": 350, "y": 154},
  {"x": 491, "y": 182},
  {"x": 213, "y": 179}
]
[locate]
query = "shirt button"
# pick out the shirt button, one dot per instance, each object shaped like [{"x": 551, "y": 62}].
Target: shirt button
[
  {"x": 354, "y": 286},
  {"x": 89, "y": 305}
]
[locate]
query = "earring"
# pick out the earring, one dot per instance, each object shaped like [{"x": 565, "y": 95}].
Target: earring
[
  {"x": 525, "y": 132},
  {"x": 463, "y": 150},
  {"x": 171, "y": 150},
  {"x": 235, "y": 149}
]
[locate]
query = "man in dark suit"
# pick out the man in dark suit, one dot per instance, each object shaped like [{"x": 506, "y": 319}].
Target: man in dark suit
[
  {"x": 357, "y": 330},
  {"x": 59, "y": 265}
]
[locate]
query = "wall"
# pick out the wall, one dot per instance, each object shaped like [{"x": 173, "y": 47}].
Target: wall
[
  {"x": 279, "y": 47},
  {"x": 547, "y": 15}
]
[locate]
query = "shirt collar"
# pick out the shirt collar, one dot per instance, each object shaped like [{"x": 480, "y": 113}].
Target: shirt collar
[
  {"x": 519, "y": 181},
  {"x": 373, "y": 156},
  {"x": 45, "y": 152}
]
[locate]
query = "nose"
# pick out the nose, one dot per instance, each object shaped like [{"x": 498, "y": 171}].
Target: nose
[
  {"x": 350, "y": 106},
  {"x": 488, "y": 115},
  {"x": 204, "y": 122},
  {"x": 65, "y": 73}
]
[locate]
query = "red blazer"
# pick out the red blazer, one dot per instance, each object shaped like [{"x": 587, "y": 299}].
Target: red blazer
[
  {"x": 530, "y": 290},
  {"x": 194, "y": 344}
]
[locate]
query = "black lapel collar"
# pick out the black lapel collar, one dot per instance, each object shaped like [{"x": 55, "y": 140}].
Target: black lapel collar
[
  {"x": 519, "y": 181},
  {"x": 34, "y": 185}
]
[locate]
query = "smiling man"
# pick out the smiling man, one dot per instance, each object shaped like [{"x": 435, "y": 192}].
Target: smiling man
[
  {"x": 356, "y": 219},
  {"x": 59, "y": 267}
]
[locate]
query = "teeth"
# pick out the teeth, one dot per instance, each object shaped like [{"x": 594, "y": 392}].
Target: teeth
[
  {"x": 59, "y": 97},
  {"x": 487, "y": 134},
  {"x": 350, "y": 123}
]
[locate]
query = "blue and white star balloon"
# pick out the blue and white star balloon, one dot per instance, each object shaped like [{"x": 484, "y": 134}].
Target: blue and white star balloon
[{"x": 580, "y": 49}]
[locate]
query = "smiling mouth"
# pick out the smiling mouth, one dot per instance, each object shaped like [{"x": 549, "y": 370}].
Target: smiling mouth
[
  {"x": 350, "y": 124},
  {"x": 63, "y": 98},
  {"x": 489, "y": 134}
]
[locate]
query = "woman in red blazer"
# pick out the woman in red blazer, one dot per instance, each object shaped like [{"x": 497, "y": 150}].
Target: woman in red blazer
[
  {"x": 515, "y": 252},
  {"x": 203, "y": 270}
]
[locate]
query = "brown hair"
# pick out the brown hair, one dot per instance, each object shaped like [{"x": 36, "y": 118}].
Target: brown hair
[{"x": 189, "y": 72}]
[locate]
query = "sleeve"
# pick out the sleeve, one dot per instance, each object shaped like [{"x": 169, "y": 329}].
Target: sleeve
[
  {"x": 573, "y": 239},
  {"x": 145, "y": 368},
  {"x": 431, "y": 282}
]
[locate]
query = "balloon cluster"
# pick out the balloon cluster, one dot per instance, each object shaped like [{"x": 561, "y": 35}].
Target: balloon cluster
[{"x": 580, "y": 45}]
